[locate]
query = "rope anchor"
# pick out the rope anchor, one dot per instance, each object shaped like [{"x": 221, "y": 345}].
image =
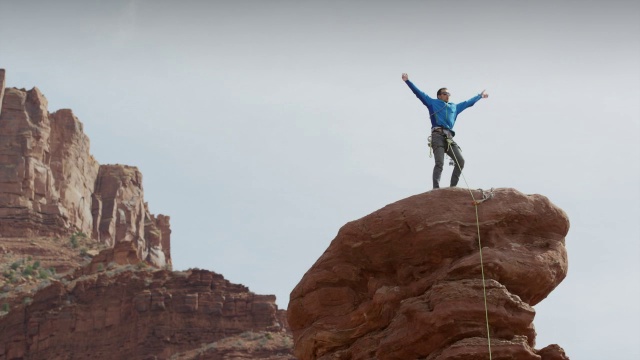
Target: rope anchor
[{"x": 485, "y": 196}]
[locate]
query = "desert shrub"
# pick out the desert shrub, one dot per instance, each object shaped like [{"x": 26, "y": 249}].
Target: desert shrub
[
  {"x": 43, "y": 274},
  {"x": 83, "y": 252},
  {"x": 76, "y": 237},
  {"x": 100, "y": 267},
  {"x": 28, "y": 270},
  {"x": 15, "y": 265},
  {"x": 74, "y": 241},
  {"x": 5, "y": 307},
  {"x": 27, "y": 301},
  {"x": 36, "y": 264}
]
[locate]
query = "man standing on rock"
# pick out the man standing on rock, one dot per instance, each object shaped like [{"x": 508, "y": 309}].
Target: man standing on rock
[{"x": 443, "y": 116}]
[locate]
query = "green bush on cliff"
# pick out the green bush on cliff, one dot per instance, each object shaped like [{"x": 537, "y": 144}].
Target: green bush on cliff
[
  {"x": 27, "y": 270},
  {"x": 5, "y": 307},
  {"x": 76, "y": 237},
  {"x": 44, "y": 274}
]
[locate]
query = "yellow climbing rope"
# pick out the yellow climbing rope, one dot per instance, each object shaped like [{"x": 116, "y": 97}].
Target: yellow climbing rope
[{"x": 475, "y": 204}]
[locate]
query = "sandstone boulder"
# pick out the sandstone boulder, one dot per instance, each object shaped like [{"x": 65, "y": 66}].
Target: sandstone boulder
[{"x": 405, "y": 282}]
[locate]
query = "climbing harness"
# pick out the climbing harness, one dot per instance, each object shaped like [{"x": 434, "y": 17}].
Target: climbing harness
[
  {"x": 451, "y": 163},
  {"x": 485, "y": 197},
  {"x": 449, "y": 142}
]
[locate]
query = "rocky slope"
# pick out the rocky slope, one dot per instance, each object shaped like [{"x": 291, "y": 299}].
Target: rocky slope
[
  {"x": 118, "y": 308},
  {"x": 405, "y": 282}
]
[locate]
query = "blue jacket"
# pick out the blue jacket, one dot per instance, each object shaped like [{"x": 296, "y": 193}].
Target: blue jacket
[{"x": 442, "y": 114}]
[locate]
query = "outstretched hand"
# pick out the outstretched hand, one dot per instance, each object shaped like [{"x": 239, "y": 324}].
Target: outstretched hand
[
  {"x": 484, "y": 94},
  {"x": 405, "y": 77}
]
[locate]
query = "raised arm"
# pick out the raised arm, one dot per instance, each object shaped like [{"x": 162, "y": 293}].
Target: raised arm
[
  {"x": 465, "y": 104},
  {"x": 419, "y": 94}
]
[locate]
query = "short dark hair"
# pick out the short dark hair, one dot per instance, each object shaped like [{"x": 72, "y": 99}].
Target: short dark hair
[{"x": 441, "y": 90}]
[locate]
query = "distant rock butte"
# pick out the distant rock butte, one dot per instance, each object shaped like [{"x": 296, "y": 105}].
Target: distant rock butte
[
  {"x": 405, "y": 281},
  {"x": 50, "y": 185}
]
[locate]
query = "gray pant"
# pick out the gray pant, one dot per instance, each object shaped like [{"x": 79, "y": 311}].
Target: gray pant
[{"x": 440, "y": 147}]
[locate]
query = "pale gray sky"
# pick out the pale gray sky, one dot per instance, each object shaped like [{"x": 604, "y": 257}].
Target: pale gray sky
[{"x": 261, "y": 127}]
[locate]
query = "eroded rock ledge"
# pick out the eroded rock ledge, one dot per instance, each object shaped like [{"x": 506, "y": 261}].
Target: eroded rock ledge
[
  {"x": 405, "y": 281},
  {"x": 119, "y": 308}
]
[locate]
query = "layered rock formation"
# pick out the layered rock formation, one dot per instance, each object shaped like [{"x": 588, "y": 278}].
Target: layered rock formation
[
  {"x": 115, "y": 310},
  {"x": 60, "y": 298},
  {"x": 50, "y": 185},
  {"x": 405, "y": 282}
]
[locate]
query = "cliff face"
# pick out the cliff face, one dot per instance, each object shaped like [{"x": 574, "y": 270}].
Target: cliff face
[
  {"x": 50, "y": 185},
  {"x": 405, "y": 282},
  {"x": 84, "y": 265}
]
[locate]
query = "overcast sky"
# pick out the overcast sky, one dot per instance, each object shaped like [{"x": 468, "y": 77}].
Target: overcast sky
[{"x": 262, "y": 127}]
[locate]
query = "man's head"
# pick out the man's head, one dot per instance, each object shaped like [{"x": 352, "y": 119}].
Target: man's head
[{"x": 443, "y": 94}]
